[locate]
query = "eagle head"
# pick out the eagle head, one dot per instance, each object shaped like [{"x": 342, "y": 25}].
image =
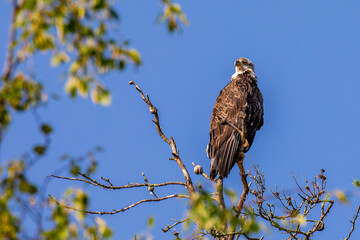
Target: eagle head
[{"x": 243, "y": 64}]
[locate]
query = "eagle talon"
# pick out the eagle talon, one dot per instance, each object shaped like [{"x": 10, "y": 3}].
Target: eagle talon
[
  {"x": 245, "y": 144},
  {"x": 241, "y": 160}
]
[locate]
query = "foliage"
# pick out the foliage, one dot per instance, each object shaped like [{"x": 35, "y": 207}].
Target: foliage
[
  {"x": 213, "y": 219},
  {"x": 79, "y": 36},
  {"x": 63, "y": 218},
  {"x": 172, "y": 15},
  {"x": 356, "y": 183},
  {"x": 22, "y": 200}
]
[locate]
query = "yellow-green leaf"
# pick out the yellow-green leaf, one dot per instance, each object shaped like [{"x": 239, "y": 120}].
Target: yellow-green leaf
[
  {"x": 101, "y": 96},
  {"x": 135, "y": 56}
]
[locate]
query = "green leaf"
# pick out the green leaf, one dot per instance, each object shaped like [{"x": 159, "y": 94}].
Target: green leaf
[
  {"x": 46, "y": 129},
  {"x": 30, "y": 4},
  {"x": 75, "y": 169},
  {"x": 72, "y": 86},
  {"x": 26, "y": 187},
  {"x": 122, "y": 65},
  {"x": 107, "y": 233},
  {"x": 176, "y": 8},
  {"x": 83, "y": 87},
  {"x": 113, "y": 13},
  {"x": 356, "y": 183},
  {"x": 74, "y": 67},
  {"x": 135, "y": 56},
  {"x": 91, "y": 169},
  {"x": 101, "y": 96},
  {"x": 59, "y": 58},
  {"x": 150, "y": 221},
  {"x": 39, "y": 150}
]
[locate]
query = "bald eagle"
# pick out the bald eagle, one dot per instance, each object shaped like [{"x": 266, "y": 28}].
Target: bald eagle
[{"x": 240, "y": 103}]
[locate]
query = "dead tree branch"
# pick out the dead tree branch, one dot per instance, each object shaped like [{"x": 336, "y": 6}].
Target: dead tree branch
[
  {"x": 219, "y": 194},
  {"x": 245, "y": 190},
  {"x": 111, "y": 187},
  {"x": 170, "y": 141},
  {"x": 353, "y": 223},
  {"x": 8, "y": 67},
  {"x": 293, "y": 214},
  {"x": 120, "y": 210},
  {"x": 198, "y": 170},
  {"x": 167, "y": 228}
]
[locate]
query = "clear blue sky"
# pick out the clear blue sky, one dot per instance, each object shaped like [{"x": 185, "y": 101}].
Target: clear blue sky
[{"x": 306, "y": 56}]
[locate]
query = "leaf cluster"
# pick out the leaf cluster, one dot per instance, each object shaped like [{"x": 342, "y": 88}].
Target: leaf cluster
[
  {"x": 214, "y": 219},
  {"x": 173, "y": 16}
]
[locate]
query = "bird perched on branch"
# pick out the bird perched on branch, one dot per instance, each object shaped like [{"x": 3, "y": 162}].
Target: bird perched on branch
[{"x": 238, "y": 111}]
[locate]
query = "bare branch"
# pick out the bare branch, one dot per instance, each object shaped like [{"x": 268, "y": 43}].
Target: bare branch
[
  {"x": 120, "y": 210},
  {"x": 319, "y": 225},
  {"x": 245, "y": 189},
  {"x": 10, "y": 51},
  {"x": 219, "y": 194},
  {"x": 110, "y": 187},
  {"x": 170, "y": 141},
  {"x": 167, "y": 228},
  {"x": 106, "y": 180},
  {"x": 204, "y": 174},
  {"x": 150, "y": 187},
  {"x": 353, "y": 224},
  {"x": 297, "y": 184}
]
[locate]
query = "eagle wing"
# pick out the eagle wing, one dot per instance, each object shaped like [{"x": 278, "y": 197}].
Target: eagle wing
[{"x": 240, "y": 98}]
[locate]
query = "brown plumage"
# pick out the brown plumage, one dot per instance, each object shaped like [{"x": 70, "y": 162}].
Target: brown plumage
[{"x": 240, "y": 101}]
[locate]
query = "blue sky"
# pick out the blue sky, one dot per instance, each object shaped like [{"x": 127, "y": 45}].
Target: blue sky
[{"x": 306, "y": 56}]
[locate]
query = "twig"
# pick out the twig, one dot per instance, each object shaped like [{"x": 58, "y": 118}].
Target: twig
[
  {"x": 132, "y": 185},
  {"x": 120, "y": 210},
  {"x": 10, "y": 51},
  {"x": 297, "y": 184},
  {"x": 150, "y": 187},
  {"x": 242, "y": 199},
  {"x": 106, "y": 180},
  {"x": 204, "y": 174},
  {"x": 250, "y": 238},
  {"x": 353, "y": 223},
  {"x": 320, "y": 222},
  {"x": 170, "y": 141},
  {"x": 170, "y": 227}
]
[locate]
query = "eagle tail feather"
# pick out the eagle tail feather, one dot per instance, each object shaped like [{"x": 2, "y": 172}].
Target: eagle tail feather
[
  {"x": 214, "y": 167},
  {"x": 227, "y": 155}
]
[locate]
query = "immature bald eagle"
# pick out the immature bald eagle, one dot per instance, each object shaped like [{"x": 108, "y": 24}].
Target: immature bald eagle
[{"x": 239, "y": 102}]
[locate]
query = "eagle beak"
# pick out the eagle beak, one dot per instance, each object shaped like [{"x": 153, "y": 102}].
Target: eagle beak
[{"x": 237, "y": 63}]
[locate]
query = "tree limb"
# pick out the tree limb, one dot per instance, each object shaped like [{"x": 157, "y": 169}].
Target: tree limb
[
  {"x": 170, "y": 141},
  {"x": 131, "y": 185},
  {"x": 120, "y": 210},
  {"x": 10, "y": 50},
  {"x": 219, "y": 194},
  {"x": 245, "y": 189},
  {"x": 353, "y": 223},
  {"x": 177, "y": 222}
]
